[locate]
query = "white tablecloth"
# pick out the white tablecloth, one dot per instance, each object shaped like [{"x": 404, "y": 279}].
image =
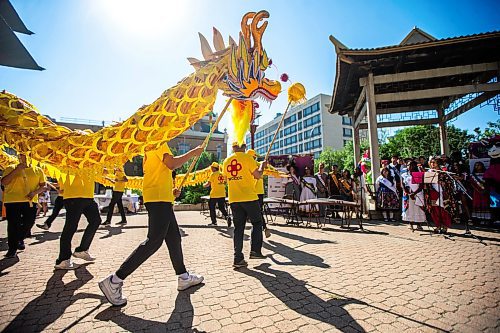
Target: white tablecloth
[{"x": 130, "y": 202}]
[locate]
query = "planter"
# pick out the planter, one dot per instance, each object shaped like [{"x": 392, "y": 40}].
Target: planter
[{"x": 186, "y": 207}]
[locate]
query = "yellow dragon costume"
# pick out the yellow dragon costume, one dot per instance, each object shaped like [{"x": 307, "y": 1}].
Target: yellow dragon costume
[{"x": 237, "y": 70}]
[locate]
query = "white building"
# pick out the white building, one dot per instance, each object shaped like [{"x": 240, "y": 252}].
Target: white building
[{"x": 307, "y": 128}]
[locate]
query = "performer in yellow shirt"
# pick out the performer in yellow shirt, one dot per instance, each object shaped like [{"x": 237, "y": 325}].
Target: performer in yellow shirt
[
  {"x": 259, "y": 188},
  {"x": 119, "y": 187},
  {"x": 78, "y": 200},
  {"x": 58, "y": 205},
  {"x": 22, "y": 185},
  {"x": 217, "y": 184},
  {"x": 241, "y": 171},
  {"x": 159, "y": 196}
]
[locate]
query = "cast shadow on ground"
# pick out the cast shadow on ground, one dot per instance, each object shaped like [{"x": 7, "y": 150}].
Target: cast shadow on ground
[
  {"x": 42, "y": 311},
  {"x": 117, "y": 229},
  {"x": 355, "y": 230},
  {"x": 296, "y": 256},
  {"x": 299, "y": 238},
  {"x": 6, "y": 263},
  {"x": 229, "y": 232},
  {"x": 296, "y": 296},
  {"x": 180, "y": 319}
]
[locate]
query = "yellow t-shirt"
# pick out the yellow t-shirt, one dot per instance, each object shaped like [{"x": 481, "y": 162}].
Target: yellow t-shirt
[
  {"x": 81, "y": 187},
  {"x": 238, "y": 170},
  {"x": 28, "y": 180},
  {"x": 259, "y": 186},
  {"x": 61, "y": 188},
  {"x": 119, "y": 186},
  {"x": 158, "y": 183},
  {"x": 217, "y": 185}
]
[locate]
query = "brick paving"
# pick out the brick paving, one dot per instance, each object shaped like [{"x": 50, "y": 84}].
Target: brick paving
[{"x": 386, "y": 279}]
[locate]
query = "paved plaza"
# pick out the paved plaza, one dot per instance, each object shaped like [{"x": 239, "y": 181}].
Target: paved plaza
[{"x": 386, "y": 279}]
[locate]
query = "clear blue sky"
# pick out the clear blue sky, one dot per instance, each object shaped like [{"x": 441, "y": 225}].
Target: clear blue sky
[{"x": 104, "y": 59}]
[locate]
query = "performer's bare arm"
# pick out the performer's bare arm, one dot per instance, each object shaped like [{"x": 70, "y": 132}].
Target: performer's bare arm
[{"x": 175, "y": 162}]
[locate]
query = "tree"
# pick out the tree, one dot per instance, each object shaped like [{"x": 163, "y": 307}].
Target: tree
[
  {"x": 344, "y": 157},
  {"x": 423, "y": 141},
  {"x": 193, "y": 194},
  {"x": 490, "y": 131}
]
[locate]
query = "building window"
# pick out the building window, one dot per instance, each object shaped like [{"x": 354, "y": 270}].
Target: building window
[
  {"x": 311, "y": 109},
  {"x": 289, "y": 120},
  {"x": 290, "y": 130},
  {"x": 219, "y": 152},
  {"x": 346, "y": 121},
  {"x": 347, "y": 132},
  {"x": 300, "y": 148},
  {"x": 312, "y": 121},
  {"x": 183, "y": 148},
  {"x": 299, "y": 115},
  {"x": 312, "y": 144},
  {"x": 299, "y": 125}
]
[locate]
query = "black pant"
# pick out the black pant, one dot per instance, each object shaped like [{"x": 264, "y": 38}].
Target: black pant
[
  {"x": 221, "y": 202},
  {"x": 116, "y": 199},
  {"x": 261, "y": 204},
  {"x": 20, "y": 219},
  {"x": 75, "y": 207},
  {"x": 162, "y": 226},
  {"x": 58, "y": 205},
  {"x": 242, "y": 210}
]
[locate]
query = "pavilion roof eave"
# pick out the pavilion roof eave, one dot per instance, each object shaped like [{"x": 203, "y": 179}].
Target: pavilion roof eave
[
  {"x": 346, "y": 58},
  {"x": 416, "y": 46}
]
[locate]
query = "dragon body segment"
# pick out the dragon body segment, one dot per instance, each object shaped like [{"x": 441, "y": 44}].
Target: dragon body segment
[{"x": 237, "y": 70}]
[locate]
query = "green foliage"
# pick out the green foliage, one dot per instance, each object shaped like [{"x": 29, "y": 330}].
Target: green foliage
[
  {"x": 192, "y": 194},
  {"x": 423, "y": 141},
  {"x": 490, "y": 131},
  {"x": 138, "y": 192},
  {"x": 205, "y": 160},
  {"x": 344, "y": 158},
  {"x": 408, "y": 142}
]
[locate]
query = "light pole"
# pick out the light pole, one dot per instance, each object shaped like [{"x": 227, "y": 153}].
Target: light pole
[{"x": 311, "y": 138}]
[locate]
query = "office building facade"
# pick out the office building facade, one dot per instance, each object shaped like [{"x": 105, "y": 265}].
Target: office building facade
[{"x": 307, "y": 129}]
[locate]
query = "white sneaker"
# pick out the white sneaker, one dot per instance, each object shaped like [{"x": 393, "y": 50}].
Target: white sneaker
[
  {"x": 192, "y": 280},
  {"x": 66, "y": 264},
  {"x": 112, "y": 291},
  {"x": 85, "y": 255}
]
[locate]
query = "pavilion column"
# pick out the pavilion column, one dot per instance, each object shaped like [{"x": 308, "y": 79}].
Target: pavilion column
[
  {"x": 356, "y": 145},
  {"x": 371, "y": 110},
  {"x": 443, "y": 137}
]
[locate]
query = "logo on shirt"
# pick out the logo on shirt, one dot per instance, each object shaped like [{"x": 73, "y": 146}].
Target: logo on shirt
[
  {"x": 234, "y": 167},
  {"x": 221, "y": 179}
]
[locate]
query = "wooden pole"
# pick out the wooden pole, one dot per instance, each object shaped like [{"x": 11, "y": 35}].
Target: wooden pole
[
  {"x": 205, "y": 142},
  {"x": 277, "y": 130},
  {"x": 371, "y": 109}
]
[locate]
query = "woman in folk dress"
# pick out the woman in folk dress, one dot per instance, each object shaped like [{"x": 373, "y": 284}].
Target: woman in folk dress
[
  {"x": 309, "y": 190},
  {"x": 387, "y": 195},
  {"x": 413, "y": 210}
]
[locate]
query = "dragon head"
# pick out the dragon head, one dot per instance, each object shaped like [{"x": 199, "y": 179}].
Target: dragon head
[{"x": 246, "y": 61}]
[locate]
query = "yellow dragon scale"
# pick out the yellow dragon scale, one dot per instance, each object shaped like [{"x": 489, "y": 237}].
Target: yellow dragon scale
[
  {"x": 26, "y": 130},
  {"x": 63, "y": 152}
]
